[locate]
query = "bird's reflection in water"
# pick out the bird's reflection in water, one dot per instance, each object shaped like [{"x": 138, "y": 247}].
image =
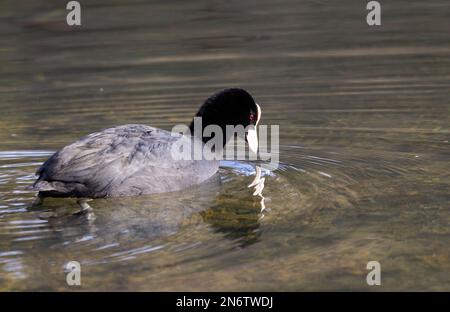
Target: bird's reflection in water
[
  {"x": 258, "y": 184},
  {"x": 227, "y": 208},
  {"x": 239, "y": 216},
  {"x": 236, "y": 220}
]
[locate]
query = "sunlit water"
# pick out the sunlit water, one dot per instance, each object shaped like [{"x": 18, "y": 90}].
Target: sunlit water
[{"x": 364, "y": 130}]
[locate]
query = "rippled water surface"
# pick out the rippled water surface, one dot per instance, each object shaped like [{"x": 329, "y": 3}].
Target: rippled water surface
[{"x": 364, "y": 132}]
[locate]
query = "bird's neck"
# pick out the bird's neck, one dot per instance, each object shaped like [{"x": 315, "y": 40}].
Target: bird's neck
[{"x": 197, "y": 127}]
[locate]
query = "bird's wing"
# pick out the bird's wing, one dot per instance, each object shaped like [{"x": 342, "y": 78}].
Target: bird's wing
[{"x": 114, "y": 159}]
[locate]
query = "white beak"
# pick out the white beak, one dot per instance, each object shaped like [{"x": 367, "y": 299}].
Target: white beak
[
  {"x": 252, "y": 136},
  {"x": 252, "y": 139}
]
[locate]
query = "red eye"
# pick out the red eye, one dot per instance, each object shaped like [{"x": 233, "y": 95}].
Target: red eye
[{"x": 252, "y": 117}]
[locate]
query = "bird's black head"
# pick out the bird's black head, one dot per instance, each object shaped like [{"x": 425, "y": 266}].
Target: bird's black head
[{"x": 233, "y": 107}]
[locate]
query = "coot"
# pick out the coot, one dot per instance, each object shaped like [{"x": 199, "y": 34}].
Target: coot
[{"x": 131, "y": 160}]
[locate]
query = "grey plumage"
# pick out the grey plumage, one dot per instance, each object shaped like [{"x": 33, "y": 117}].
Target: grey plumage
[{"x": 121, "y": 161}]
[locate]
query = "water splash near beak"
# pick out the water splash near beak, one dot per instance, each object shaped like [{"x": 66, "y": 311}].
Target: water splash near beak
[{"x": 258, "y": 184}]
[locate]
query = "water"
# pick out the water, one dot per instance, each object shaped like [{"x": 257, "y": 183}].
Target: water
[{"x": 364, "y": 130}]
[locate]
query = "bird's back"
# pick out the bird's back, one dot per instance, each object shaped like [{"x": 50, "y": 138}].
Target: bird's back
[{"x": 121, "y": 161}]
